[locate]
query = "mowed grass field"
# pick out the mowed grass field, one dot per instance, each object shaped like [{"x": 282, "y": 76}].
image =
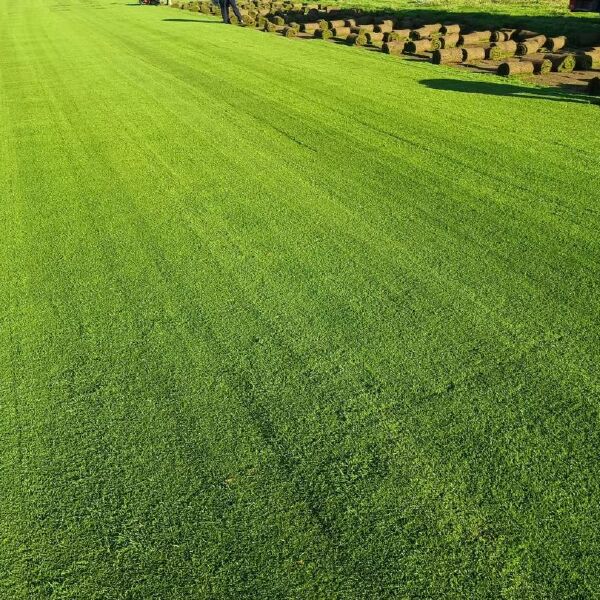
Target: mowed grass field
[{"x": 287, "y": 319}]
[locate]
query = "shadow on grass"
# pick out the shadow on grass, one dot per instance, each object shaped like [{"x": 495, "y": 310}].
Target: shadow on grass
[
  {"x": 582, "y": 30},
  {"x": 501, "y": 89}
]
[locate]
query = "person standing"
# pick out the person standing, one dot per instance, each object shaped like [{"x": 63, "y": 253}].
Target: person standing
[{"x": 225, "y": 4}]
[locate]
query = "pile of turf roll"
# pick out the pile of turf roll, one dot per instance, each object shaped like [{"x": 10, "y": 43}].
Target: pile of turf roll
[
  {"x": 503, "y": 35},
  {"x": 419, "y": 46},
  {"x": 473, "y": 53},
  {"x": 447, "y": 42},
  {"x": 561, "y": 63},
  {"x": 357, "y": 39},
  {"x": 502, "y": 50},
  {"x": 447, "y": 56},
  {"x": 476, "y": 37},
  {"x": 588, "y": 59},
  {"x": 530, "y": 45},
  {"x": 426, "y": 31},
  {"x": 556, "y": 43}
]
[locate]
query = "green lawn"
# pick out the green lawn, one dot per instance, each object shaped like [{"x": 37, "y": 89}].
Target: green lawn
[{"x": 287, "y": 319}]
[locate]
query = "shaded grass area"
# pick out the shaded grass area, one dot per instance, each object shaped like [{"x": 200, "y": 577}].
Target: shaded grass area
[{"x": 272, "y": 330}]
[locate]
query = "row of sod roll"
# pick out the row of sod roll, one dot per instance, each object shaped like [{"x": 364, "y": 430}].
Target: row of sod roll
[{"x": 508, "y": 51}]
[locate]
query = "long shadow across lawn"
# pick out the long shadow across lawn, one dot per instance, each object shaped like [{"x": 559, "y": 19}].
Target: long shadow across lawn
[
  {"x": 581, "y": 29},
  {"x": 501, "y": 89}
]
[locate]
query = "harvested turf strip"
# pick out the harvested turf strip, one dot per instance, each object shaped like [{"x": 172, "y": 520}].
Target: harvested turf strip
[
  {"x": 556, "y": 43},
  {"x": 561, "y": 63},
  {"x": 289, "y": 32},
  {"x": 383, "y": 28},
  {"x": 524, "y": 48},
  {"x": 588, "y": 59},
  {"x": 425, "y": 31},
  {"x": 418, "y": 46},
  {"x": 309, "y": 27},
  {"x": 341, "y": 32},
  {"x": 472, "y": 53},
  {"x": 323, "y": 34},
  {"x": 508, "y": 46},
  {"x": 436, "y": 43},
  {"x": 502, "y": 50},
  {"x": 450, "y": 55},
  {"x": 476, "y": 37},
  {"x": 272, "y": 27},
  {"x": 373, "y": 36},
  {"x": 515, "y": 67},
  {"x": 277, "y": 20},
  {"x": 337, "y": 23},
  {"x": 594, "y": 86},
  {"x": 357, "y": 39},
  {"x": 450, "y": 41},
  {"x": 398, "y": 35},
  {"x": 540, "y": 65},
  {"x": 395, "y": 48},
  {"x": 448, "y": 29}
]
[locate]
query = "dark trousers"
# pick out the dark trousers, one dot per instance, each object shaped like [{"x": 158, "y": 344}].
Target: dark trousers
[{"x": 225, "y": 4}]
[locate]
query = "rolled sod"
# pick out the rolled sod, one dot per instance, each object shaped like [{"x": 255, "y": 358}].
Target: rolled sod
[
  {"x": 260, "y": 22},
  {"x": 524, "y": 48},
  {"x": 350, "y": 23},
  {"x": 272, "y": 28},
  {"x": 277, "y": 20},
  {"x": 394, "y": 48},
  {"x": 337, "y": 23},
  {"x": 398, "y": 35},
  {"x": 418, "y": 46},
  {"x": 556, "y": 43},
  {"x": 341, "y": 32},
  {"x": 309, "y": 27},
  {"x": 502, "y": 50},
  {"x": 561, "y": 63},
  {"x": 450, "y": 40},
  {"x": 515, "y": 67},
  {"x": 594, "y": 86},
  {"x": 471, "y": 53},
  {"x": 450, "y": 55},
  {"x": 476, "y": 37},
  {"x": 383, "y": 28},
  {"x": 373, "y": 36},
  {"x": 357, "y": 39},
  {"x": 503, "y": 35},
  {"x": 540, "y": 65},
  {"x": 436, "y": 43},
  {"x": 448, "y": 29},
  {"x": 386, "y": 23},
  {"x": 364, "y": 27},
  {"x": 425, "y": 31},
  {"x": 289, "y": 32},
  {"x": 323, "y": 34},
  {"x": 323, "y": 24},
  {"x": 586, "y": 60}
]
